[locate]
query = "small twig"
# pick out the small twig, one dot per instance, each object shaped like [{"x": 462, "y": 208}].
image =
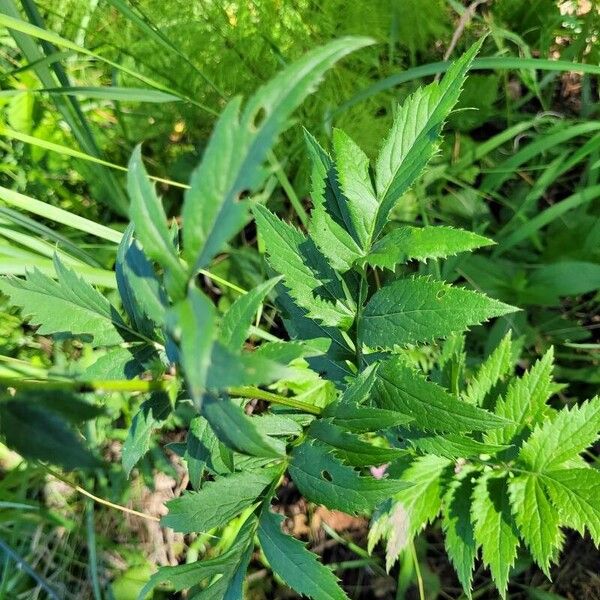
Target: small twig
[
  {"x": 99, "y": 500},
  {"x": 415, "y": 559}
]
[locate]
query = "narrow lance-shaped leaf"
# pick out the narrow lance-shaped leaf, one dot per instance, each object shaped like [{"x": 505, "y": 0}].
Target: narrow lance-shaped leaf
[
  {"x": 232, "y": 162},
  {"x": 236, "y": 322},
  {"x": 299, "y": 568},
  {"x": 148, "y": 216},
  {"x": 421, "y": 243},
  {"x": 414, "y": 136},
  {"x": 398, "y": 387}
]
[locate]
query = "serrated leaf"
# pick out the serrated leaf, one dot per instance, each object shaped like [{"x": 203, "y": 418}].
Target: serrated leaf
[
  {"x": 68, "y": 307},
  {"x": 237, "y": 430},
  {"x": 352, "y": 166},
  {"x": 525, "y": 400},
  {"x": 414, "y": 136},
  {"x": 497, "y": 365},
  {"x": 349, "y": 447},
  {"x": 398, "y": 387},
  {"x": 451, "y": 445},
  {"x": 563, "y": 437},
  {"x": 421, "y": 243},
  {"x": 361, "y": 419},
  {"x": 330, "y": 223},
  {"x": 40, "y": 434},
  {"x": 141, "y": 293},
  {"x": 218, "y": 501},
  {"x": 574, "y": 493},
  {"x": 409, "y": 311},
  {"x": 232, "y": 162},
  {"x": 537, "y": 519},
  {"x": 192, "y": 322},
  {"x": 120, "y": 363},
  {"x": 495, "y": 528},
  {"x": 323, "y": 479},
  {"x": 236, "y": 322},
  {"x": 137, "y": 443},
  {"x": 72, "y": 408},
  {"x": 311, "y": 281},
  {"x": 412, "y": 508},
  {"x": 148, "y": 216},
  {"x": 299, "y": 568},
  {"x": 459, "y": 536},
  {"x": 221, "y": 570}
]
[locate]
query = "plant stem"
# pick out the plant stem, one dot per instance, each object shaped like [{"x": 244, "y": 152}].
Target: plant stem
[
  {"x": 415, "y": 558},
  {"x": 145, "y": 386}
]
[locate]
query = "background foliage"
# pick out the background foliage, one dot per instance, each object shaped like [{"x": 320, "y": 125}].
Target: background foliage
[{"x": 521, "y": 169}]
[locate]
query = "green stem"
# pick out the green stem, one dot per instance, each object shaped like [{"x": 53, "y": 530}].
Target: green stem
[{"x": 145, "y": 386}]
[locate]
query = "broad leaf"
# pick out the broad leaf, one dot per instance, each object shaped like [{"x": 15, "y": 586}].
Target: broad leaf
[
  {"x": 232, "y": 162},
  {"x": 299, "y": 568},
  {"x": 451, "y": 445},
  {"x": 574, "y": 492},
  {"x": 398, "y": 387},
  {"x": 537, "y": 519},
  {"x": 409, "y": 311},
  {"x": 562, "y": 438},
  {"x": 360, "y": 419},
  {"x": 495, "y": 528},
  {"x": 323, "y": 479},
  {"x": 420, "y": 243},
  {"x": 217, "y": 502}
]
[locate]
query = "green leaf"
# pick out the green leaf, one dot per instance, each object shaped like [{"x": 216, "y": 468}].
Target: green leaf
[
  {"x": 192, "y": 322},
  {"x": 237, "y": 430},
  {"x": 360, "y": 419},
  {"x": 418, "y": 310},
  {"x": 330, "y": 221},
  {"x": 354, "y": 179},
  {"x": 323, "y": 479},
  {"x": 525, "y": 400},
  {"x": 414, "y": 136},
  {"x": 420, "y": 243},
  {"x": 218, "y": 501},
  {"x": 68, "y": 307},
  {"x": 498, "y": 364},
  {"x": 236, "y": 322},
  {"x": 41, "y": 434},
  {"x": 232, "y": 162},
  {"x": 220, "y": 572},
  {"x": 574, "y": 492},
  {"x": 141, "y": 293},
  {"x": 412, "y": 508},
  {"x": 562, "y": 438},
  {"x": 398, "y": 387},
  {"x": 137, "y": 443},
  {"x": 459, "y": 535},
  {"x": 120, "y": 363},
  {"x": 350, "y": 448},
  {"x": 312, "y": 282},
  {"x": 299, "y": 568},
  {"x": 495, "y": 529},
  {"x": 204, "y": 451},
  {"x": 451, "y": 445},
  {"x": 151, "y": 227},
  {"x": 537, "y": 519}
]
